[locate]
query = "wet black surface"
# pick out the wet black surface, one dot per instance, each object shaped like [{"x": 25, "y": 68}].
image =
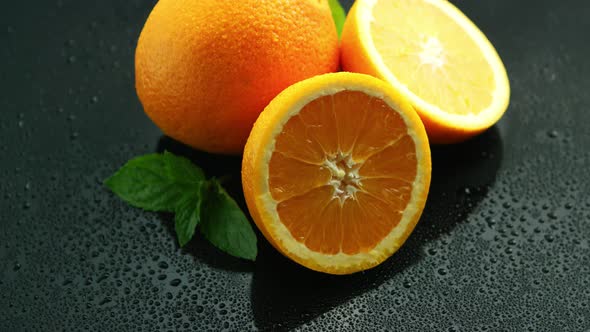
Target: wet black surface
[{"x": 503, "y": 243}]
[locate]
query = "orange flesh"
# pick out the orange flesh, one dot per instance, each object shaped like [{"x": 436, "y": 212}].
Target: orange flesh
[
  {"x": 342, "y": 173},
  {"x": 463, "y": 80}
]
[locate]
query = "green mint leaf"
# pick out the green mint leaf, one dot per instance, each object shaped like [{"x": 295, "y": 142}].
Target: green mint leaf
[
  {"x": 156, "y": 182},
  {"x": 338, "y": 14},
  {"x": 182, "y": 169},
  {"x": 165, "y": 182},
  {"x": 225, "y": 225},
  {"x": 188, "y": 215}
]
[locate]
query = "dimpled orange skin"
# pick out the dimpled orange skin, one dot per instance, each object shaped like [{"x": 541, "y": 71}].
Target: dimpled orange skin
[{"x": 205, "y": 69}]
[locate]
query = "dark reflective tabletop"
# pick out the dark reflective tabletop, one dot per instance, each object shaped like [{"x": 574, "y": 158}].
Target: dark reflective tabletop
[{"x": 503, "y": 245}]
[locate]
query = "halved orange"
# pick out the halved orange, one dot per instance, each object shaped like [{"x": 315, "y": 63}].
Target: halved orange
[
  {"x": 435, "y": 56},
  {"x": 336, "y": 172}
]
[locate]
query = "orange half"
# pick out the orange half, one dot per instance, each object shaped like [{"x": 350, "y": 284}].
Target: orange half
[
  {"x": 336, "y": 172},
  {"x": 436, "y": 57}
]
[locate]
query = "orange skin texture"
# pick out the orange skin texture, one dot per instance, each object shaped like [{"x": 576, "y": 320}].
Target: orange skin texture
[{"x": 205, "y": 69}]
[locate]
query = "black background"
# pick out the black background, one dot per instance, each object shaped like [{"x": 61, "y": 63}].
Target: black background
[{"x": 502, "y": 245}]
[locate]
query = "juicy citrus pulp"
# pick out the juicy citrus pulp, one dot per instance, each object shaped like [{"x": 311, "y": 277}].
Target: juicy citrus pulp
[
  {"x": 435, "y": 56},
  {"x": 336, "y": 172}
]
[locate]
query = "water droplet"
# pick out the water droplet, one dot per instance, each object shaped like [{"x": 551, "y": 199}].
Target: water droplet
[
  {"x": 17, "y": 266},
  {"x": 442, "y": 271},
  {"x": 105, "y": 301},
  {"x": 553, "y": 134},
  {"x": 71, "y": 59},
  {"x": 163, "y": 265},
  {"x": 491, "y": 221},
  {"x": 174, "y": 282}
]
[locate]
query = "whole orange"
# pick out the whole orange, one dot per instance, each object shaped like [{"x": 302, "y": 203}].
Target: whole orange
[{"x": 205, "y": 69}]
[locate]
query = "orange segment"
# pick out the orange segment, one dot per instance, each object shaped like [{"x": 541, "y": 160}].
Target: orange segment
[
  {"x": 336, "y": 172},
  {"x": 286, "y": 169},
  {"x": 366, "y": 221},
  {"x": 350, "y": 108},
  {"x": 320, "y": 119},
  {"x": 305, "y": 207},
  {"x": 381, "y": 128},
  {"x": 333, "y": 229},
  {"x": 395, "y": 192},
  {"x": 297, "y": 142},
  {"x": 397, "y": 160}
]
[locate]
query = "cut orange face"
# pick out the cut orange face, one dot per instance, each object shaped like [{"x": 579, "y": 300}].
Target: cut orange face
[
  {"x": 336, "y": 172},
  {"x": 435, "y": 57}
]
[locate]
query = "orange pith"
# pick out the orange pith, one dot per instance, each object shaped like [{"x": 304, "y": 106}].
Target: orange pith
[{"x": 343, "y": 180}]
